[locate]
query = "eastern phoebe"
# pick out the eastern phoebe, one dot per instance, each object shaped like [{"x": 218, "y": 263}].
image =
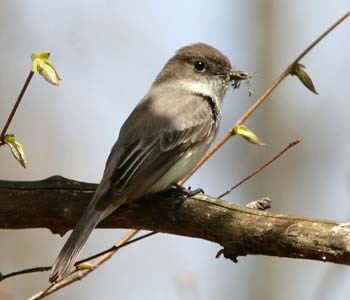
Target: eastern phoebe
[{"x": 164, "y": 137}]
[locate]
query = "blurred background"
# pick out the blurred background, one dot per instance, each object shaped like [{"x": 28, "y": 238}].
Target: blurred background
[{"x": 108, "y": 53}]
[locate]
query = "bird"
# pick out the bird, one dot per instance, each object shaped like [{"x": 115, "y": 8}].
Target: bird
[{"x": 161, "y": 141}]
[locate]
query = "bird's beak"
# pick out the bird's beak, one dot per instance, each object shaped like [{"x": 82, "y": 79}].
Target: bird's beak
[{"x": 237, "y": 76}]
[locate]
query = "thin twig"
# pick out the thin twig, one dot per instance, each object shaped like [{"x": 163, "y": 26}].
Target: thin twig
[
  {"x": 14, "y": 109},
  {"x": 264, "y": 96},
  {"x": 116, "y": 247},
  {"x": 79, "y": 274},
  {"x": 223, "y": 140},
  {"x": 24, "y": 271},
  {"x": 292, "y": 144},
  {"x": 47, "y": 268}
]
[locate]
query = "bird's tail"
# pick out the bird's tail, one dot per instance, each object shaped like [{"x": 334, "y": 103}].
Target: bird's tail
[{"x": 72, "y": 248}]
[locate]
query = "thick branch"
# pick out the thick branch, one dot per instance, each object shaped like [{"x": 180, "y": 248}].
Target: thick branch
[{"x": 57, "y": 203}]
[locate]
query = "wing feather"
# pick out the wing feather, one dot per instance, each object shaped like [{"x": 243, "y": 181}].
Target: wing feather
[{"x": 140, "y": 157}]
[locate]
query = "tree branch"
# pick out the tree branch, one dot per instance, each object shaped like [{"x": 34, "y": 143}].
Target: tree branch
[{"x": 57, "y": 203}]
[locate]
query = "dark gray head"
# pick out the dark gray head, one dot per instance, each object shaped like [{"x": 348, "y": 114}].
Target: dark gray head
[{"x": 195, "y": 62}]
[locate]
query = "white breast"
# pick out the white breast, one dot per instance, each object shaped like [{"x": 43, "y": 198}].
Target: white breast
[{"x": 181, "y": 168}]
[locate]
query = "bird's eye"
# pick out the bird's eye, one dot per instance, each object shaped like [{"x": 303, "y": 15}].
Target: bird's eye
[{"x": 199, "y": 66}]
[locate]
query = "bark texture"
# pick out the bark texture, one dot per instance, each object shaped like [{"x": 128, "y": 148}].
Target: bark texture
[{"x": 56, "y": 203}]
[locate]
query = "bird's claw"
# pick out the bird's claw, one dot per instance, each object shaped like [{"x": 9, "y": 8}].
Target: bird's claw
[{"x": 188, "y": 191}]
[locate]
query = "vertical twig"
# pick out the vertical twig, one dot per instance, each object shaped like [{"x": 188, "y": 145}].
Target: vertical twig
[{"x": 14, "y": 109}]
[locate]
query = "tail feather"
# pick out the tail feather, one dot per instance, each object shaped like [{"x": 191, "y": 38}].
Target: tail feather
[{"x": 73, "y": 246}]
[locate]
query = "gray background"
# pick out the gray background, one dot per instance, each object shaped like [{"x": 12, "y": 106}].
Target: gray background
[{"x": 108, "y": 53}]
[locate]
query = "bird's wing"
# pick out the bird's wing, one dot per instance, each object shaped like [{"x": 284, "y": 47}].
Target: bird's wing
[
  {"x": 150, "y": 146},
  {"x": 150, "y": 143}
]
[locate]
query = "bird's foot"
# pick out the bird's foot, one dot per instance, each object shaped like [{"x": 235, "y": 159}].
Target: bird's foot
[{"x": 187, "y": 191}]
